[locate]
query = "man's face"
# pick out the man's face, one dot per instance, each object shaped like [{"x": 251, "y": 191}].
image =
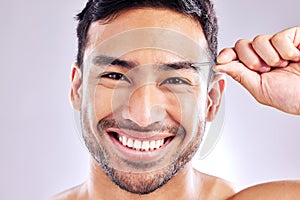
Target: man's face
[{"x": 143, "y": 104}]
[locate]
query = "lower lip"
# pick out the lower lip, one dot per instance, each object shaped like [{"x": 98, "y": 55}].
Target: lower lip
[{"x": 134, "y": 155}]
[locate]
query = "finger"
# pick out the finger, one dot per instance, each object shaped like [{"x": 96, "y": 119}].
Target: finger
[
  {"x": 263, "y": 47},
  {"x": 226, "y": 55},
  {"x": 246, "y": 77},
  {"x": 248, "y": 56},
  {"x": 287, "y": 42}
]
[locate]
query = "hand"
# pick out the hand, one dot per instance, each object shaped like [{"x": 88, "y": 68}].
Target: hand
[{"x": 268, "y": 67}]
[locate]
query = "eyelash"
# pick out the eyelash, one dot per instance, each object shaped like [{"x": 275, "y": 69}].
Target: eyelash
[
  {"x": 175, "y": 81},
  {"x": 115, "y": 76},
  {"x": 121, "y": 77}
]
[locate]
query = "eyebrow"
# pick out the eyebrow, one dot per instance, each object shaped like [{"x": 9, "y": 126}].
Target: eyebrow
[
  {"x": 103, "y": 60},
  {"x": 197, "y": 67}
]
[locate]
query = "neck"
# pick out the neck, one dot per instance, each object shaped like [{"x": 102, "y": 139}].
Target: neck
[{"x": 184, "y": 185}]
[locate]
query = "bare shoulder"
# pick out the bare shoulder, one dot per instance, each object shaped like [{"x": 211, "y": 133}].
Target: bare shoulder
[
  {"x": 283, "y": 190},
  {"x": 70, "y": 194},
  {"x": 215, "y": 188}
]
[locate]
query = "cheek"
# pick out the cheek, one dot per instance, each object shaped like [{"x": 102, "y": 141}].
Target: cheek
[
  {"x": 187, "y": 106},
  {"x": 189, "y": 110},
  {"x": 103, "y": 102}
]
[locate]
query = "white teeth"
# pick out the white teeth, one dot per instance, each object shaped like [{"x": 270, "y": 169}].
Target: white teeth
[
  {"x": 124, "y": 140},
  {"x": 157, "y": 144},
  {"x": 162, "y": 141},
  {"x": 130, "y": 142},
  {"x": 145, "y": 145},
  {"x": 137, "y": 144},
  {"x": 141, "y": 145},
  {"x": 152, "y": 145}
]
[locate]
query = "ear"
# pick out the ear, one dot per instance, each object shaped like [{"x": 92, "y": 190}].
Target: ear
[
  {"x": 76, "y": 89},
  {"x": 215, "y": 92}
]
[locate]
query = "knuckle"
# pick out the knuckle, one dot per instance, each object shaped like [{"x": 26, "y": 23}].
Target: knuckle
[
  {"x": 259, "y": 40},
  {"x": 277, "y": 39},
  {"x": 241, "y": 43}
]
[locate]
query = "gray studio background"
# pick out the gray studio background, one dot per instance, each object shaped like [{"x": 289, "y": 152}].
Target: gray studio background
[{"x": 40, "y": 151}]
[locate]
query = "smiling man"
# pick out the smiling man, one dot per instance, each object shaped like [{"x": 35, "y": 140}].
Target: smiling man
[
  {"x": 144, "y": 86},
  {"x": 145, "y": 89}
]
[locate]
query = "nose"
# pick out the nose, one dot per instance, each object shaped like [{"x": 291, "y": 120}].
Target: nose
[{"x": 145, "y": 105}]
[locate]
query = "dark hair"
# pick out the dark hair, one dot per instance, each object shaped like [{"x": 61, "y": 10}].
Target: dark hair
[{"x": 200, "y": 10}]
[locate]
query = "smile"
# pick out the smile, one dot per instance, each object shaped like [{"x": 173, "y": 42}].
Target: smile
[{"x": 141, "y": 145}]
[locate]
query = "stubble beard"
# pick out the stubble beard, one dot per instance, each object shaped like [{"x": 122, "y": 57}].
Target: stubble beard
[{"x": 141, "y": 183}]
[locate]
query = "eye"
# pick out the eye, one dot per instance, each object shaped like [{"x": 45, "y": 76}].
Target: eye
[
  {"x": 175, "y": 81},
  {"x": 115, "y": 76}
]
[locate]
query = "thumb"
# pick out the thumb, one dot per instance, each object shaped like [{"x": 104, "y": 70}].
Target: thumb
[{"x": 247, "y": 78}]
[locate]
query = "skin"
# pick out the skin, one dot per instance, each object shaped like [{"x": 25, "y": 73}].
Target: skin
[
  {"x": 281, "y": 190},
  {"x": 269, "y": 68},
  {"x": 278, "y": 57},
  {"x": 146, "y": 101},
  {"x": 257, "y": 62}
]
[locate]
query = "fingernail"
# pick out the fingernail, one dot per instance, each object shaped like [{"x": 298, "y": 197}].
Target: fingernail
[
  {"x": 264, "y": 69},
  {"x": 284, "y": 64},
  {"x": 222, "y": 58}
]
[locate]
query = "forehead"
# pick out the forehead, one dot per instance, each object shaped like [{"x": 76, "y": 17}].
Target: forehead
[{"x": 147, "y": 28}]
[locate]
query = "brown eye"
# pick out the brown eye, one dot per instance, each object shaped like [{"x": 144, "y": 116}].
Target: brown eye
[
  {"x": 175, "y": 81},
  {"x": 115, "y": 76}
]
